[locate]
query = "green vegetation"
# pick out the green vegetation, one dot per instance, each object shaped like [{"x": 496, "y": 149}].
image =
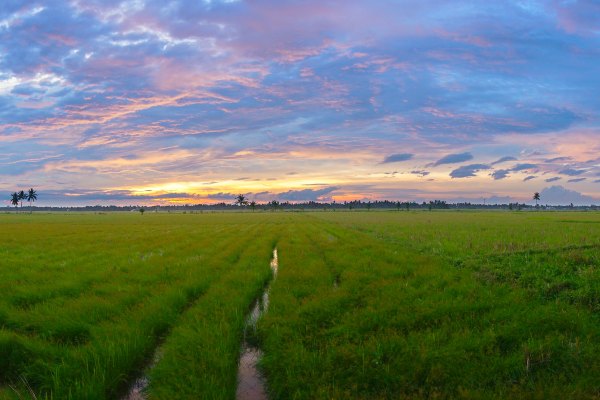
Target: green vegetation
[
  {"x": 86, "y": 298},
  {"x": 18, "y": 197},
  {"x": 396, "y": 304}
]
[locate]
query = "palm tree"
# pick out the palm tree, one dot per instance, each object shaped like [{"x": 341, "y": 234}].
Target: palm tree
[
  {"x": 14, "y": 199},
  {"x": 31, "y": 196},
  {"x": 536, "y": 197},
  {"x": 253, "y": 205},
  {"x": 241, "y": 200},
  {"x": 22, "y": 196}
]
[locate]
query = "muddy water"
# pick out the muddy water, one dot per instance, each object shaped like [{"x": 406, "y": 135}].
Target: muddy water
[
  {"x": 138, "y": 388},
  {"x": 251, "y": 384}
]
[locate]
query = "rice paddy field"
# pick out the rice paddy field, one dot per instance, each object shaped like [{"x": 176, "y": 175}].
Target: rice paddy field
[{"x": 366, "y": 305}]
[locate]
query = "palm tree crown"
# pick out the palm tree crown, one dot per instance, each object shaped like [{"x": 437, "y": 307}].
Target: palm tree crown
[
  {"x": 22, "y": 196},
  {"x": 31, "y": 195},
  {"x": 14, "y": 199},
  {"x": 241, "y": 200}
]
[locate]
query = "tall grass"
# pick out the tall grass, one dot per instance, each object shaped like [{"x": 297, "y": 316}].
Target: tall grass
[
  {"x": 207, "y": 341},
  {"x": 87, "y": 298},
  {"x": 408, "y": 320},
  {"x": 367, "y": 305}
]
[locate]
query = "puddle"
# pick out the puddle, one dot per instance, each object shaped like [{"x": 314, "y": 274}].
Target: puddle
[
  {"x": 251, "y": 384},
  {"x": 137, "y": 391}
]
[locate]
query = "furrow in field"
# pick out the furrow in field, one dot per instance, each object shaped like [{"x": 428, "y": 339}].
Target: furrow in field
[
  {"x": 250, "y": 382},
  {"x": 137, "y": 389},
  {"x": 223, "y": 254},
  {"x": 293, "y": 291},
  {"x": 200, "y": 356}
]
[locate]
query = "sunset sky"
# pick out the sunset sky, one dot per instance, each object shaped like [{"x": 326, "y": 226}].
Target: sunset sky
[{"x": 158, "y": 102}]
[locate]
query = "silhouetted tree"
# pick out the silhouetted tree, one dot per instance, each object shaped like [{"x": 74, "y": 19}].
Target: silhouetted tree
[
  {"x": 536, "y": 197},
  {"x": 14, "y": 199},
  {"x": 31, "y": 197},
  {"x": 241, "y": 200},
  {"x": 142, "y": 209},
  {"x": 252, "y": 205},
  {"x": 22, "y": 196}
]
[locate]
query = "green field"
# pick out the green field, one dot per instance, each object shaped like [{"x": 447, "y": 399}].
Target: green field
[{"x": 366, "y": 305}]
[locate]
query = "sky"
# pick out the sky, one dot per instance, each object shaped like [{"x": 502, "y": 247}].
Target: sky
[{"x": 195, "y": 101}]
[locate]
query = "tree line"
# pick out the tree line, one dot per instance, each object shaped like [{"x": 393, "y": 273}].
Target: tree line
[{"x": 17, "y": 198}]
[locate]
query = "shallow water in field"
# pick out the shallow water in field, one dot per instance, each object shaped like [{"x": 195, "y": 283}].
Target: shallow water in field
[
  {"x": 251, "y": 384},
  {"x": 136, "y": 392},
  {"x": 138, "y": 388}
]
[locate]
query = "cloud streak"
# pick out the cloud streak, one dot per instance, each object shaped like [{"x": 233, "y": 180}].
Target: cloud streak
[
  {"x": 397, "y": 158},
  {"x": 467, "y": 171},
  {"x": 454, "y": 159}
]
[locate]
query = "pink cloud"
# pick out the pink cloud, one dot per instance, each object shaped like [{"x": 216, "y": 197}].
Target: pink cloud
[{"x": 578, "y": 17}]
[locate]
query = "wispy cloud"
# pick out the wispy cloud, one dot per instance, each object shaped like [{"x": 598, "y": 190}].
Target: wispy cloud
[
  {"x": 503, "y": 160},
  {"x": 397, "y": 158},
  {"x": 500, "y": 174},
  {"x": 467, "y": 171},
  {"x": 524, "y": 167},
  {"x": 307, "y": 194},
  {"x": 98, "y": 95},
  {"x": 558, "y": 159},
  {"x": 421, "y": 172},
  {"x": 454, "y": 159},
  {"x": 571, "y": 171}
]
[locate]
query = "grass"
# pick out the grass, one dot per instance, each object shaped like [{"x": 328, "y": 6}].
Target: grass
[
  {"x": 366, "y": 305},
  {"x": 207, "y": 341},
  {"x": 416, "y": 315},
  {"x": 86, "y": 298}
]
